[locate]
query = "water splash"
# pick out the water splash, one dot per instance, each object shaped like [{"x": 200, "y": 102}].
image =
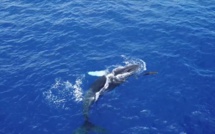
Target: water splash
[
  {"x": 62, "y": 93},
  {"x": 78, "y": 94},
  {"x": 130, "y": 60}
]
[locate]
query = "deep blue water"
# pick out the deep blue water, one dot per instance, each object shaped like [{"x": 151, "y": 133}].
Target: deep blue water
[{"x": 47, "y": 48}]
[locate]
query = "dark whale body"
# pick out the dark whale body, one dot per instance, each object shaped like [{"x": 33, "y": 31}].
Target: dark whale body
[{"x": 99, "y": 87}]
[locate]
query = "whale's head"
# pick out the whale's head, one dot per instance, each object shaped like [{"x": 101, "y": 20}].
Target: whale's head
[{"x": 129, "y": 69}]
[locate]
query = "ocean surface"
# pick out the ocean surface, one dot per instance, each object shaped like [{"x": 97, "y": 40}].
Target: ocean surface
[{"x": 47, "y": 49}]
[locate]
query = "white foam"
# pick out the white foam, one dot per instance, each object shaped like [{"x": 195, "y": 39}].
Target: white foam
[
  {"x": 131, "y": 60},
  {"x": 78, "y": 94},
  {"x": 62, "y": 93}
]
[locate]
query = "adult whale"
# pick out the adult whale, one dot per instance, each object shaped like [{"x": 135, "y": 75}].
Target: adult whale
[
  {"x": 104, "y": 84},
  {"x": 107, "y": 83}
]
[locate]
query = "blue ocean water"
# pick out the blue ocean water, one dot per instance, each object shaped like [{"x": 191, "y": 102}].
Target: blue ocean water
[{"x": 47, "y": 48}]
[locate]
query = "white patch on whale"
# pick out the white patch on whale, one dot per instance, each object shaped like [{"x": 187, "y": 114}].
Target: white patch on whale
[{"x": 98, "y": 73}]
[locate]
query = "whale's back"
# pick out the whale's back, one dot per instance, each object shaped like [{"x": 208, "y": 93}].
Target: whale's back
[{"x": 98, "y": 84}]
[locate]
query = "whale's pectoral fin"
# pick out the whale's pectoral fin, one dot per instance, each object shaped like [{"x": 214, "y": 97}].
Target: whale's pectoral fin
[
  {"x": 89, "y": 127},
  {"x": 150, "y": 73}
]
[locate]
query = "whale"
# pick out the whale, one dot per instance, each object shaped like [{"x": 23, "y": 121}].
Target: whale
[
  {"x": 99, "y": 87},
  {"x": 107, "y": 83}
]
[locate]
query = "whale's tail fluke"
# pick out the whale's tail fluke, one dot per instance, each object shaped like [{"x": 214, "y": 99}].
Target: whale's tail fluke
[{"x": 88, "y": 127}]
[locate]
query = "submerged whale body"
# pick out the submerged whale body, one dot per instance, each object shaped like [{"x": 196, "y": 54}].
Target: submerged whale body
[{"x": 103, "y": 84}]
